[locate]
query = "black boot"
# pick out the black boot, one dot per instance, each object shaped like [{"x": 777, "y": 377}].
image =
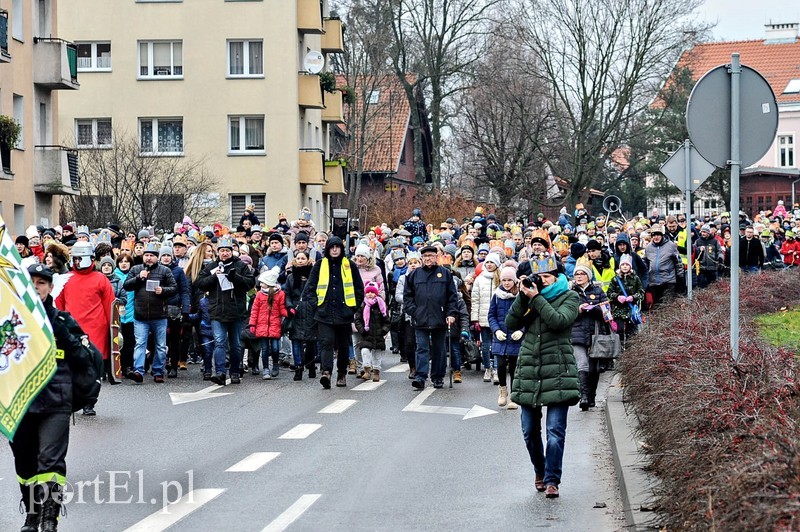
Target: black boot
[
  {"x": 31, "y": 504},
  {"x": 298, "y": 374},
  {"x": 583, "y": 380},
  {"x": 51, "y": 507},
  {"x": 312, "y": 371},
  {"x": 593, "y": 378}
]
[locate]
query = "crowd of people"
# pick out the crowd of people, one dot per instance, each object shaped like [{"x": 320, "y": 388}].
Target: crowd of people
[{"x": 522, "y": 302}]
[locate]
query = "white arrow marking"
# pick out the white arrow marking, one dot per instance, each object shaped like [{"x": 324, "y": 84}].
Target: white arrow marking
[
  {"x": 467, "y": 413},
  {"x": 205, "y": 393}
]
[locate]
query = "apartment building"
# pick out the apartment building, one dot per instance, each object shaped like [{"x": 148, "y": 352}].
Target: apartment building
[
  {"x": 225, "y": 81},
  {"x": 35, "y": 65}
]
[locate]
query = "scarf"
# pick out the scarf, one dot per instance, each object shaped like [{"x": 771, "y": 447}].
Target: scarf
[
  {"x": 397, "y": 273},
  {"x": 300, "y": 275},
  {"x": 368, "y": 304},
  {"x": 556, "y": 289}
]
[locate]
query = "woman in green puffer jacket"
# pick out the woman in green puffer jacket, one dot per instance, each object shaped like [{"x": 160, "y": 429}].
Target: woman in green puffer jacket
[{"x": 546, "y": 374}]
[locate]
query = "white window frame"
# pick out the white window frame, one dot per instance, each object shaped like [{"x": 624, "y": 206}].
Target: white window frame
[
  {"x": 19, "y": 116},
  {"x": 95, "y": 141},
  {"x": 789, "y": 146},
  {"x": 248, "y": 199},
  {"x": 246, "y": 58},
  {"x": 94, "y": 59},
  {"x": 242, "y": 135},
  {"x": 374, "y": 96},
  {"x": 154, "y": 125},
  {"x": 157, "y": 74}
]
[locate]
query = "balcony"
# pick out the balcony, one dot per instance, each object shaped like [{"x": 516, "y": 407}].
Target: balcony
[
  {"x": 333, "y": 38},
  {"x": 55, "y": 63},
  {"x": 55, "y": 170},
  {"x": 309, "y": 16},
  {"x": 311, "y": 166},
  {"x": 5, "y": 57},
  {"x": 334, "y": 175},
  {"x": 309, "y": 91},
  {"x": 333, "y": 111}
]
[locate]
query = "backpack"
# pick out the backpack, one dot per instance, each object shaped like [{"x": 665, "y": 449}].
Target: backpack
[{"x": 86, "y": 366}]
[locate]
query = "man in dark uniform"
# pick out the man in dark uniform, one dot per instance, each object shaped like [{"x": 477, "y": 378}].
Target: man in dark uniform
[{"x": 41, "y": 441}]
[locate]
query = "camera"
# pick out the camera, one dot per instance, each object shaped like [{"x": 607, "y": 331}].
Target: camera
[{"x": 533, "y": 279}]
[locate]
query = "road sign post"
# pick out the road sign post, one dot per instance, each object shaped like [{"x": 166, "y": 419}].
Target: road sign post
[
  {"x": 687, "y": 147},
  {"x": 736, "y": 166}
]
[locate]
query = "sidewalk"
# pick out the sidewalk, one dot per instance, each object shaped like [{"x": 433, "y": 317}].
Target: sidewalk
[{"x": 635, "y": 485}]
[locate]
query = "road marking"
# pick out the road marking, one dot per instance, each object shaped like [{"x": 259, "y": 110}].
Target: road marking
[
  {"x": 400, "y": 368},
  {"x": 252, "y": 463},
  {"x": 292, "y": 513},
  {"x": 179, "y": 398},
  {"x": 300, "y": 432},
  {"x": 338, "y": 406},
  {"x": 367, "y": 386},
  {"x": 174, "y": 512},
  {"x": 467, "y": 413}
]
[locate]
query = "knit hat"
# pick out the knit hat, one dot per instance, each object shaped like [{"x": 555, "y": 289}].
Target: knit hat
[
  {"x": 371, "y": 288},
  {"x": 493, "y": 257},
  {"x": 483, "y": 247},
  {"x": 165, "y": 250},
  {"x": 66, "y": 227},
  {"x": 300, "y": 237},
  {"x": 269, "y": 278},
  {"x": 22, "y": 239},
  {"x": 275, "y": 237},
  {"x": 451, "y": 249},
  {"x": 144, "y": 233},
  {"x": 362, "y": 250},
  {"x": 577, "y": 250},
  {"x": 657, "y": 229},
  {"x": 508, "y": 272},
  {"x": 107, "y": 260},
  {"x": 255, "y": 229},
  {"x": 789, "y": 234},
  {"x": 247, "y": 259},
  {"x": 626, "y": 259},
  {"x": 417, "y": 240},
  {"x": 593, "y": 245},
  {"x": 705, "y": 228}
]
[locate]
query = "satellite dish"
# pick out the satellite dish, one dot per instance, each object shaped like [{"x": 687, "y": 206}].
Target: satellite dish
[
  {"x": 314, "y": 62},
  {"x": 612, "y": 204}
]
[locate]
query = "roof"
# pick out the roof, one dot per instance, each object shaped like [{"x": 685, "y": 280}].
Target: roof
[
  {"x": 778, "y": 62},
  {"x": 387, "y": 120}
]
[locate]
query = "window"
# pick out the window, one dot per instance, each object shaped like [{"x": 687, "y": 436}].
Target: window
[
  {"x": 786, "y": 151},
  {"x": 93, "y": 132},
  {"x": 17, "y": 20},
  {"x": 793, "y": 87},
  {"x": 374, "y": 96},
  {"x": 161, "y": 59},
  {"x": 19, "y": 116},
  {"x": 94, "y": 56},
  {"x": 246, "y": 134},
  {"x": 240, "y": 201},
  {"x": 245, "y": 58},
  {"x": 674, "y": 206},
  {"x": 161, "y": 136}
]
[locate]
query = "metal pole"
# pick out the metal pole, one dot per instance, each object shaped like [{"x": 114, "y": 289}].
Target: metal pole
[
  {"x": 687, "y": 165},
  {"x": 736, "y": 163}
]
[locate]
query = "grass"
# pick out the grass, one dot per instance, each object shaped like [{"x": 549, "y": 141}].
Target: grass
[{"x": 782, "y": 328}]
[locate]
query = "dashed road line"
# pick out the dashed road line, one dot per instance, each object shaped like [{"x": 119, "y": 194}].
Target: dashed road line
[
  {"x": 367, "y": 386},
  {"x": 338, "y": 406},
  {"x": 300, "y": 432},
  {"x": 253, "y": 462},
  {"x": 399, "y": 368},
  {"x": 174, "y": 512},
  {"x": 292, "y": 513}
]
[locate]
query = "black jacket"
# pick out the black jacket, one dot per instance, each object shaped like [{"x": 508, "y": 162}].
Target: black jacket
[
  {"x": 639, "y": 265},
  {"x": 228, "y": 305},
  {"x": 183, "y": 295},
  {"x": 149, "y": 305},
  {"x": 751, "y": 252},
  {"x": 584, "y": 326},
  {"x": 430, "y": 296},
  {"x": 302, "y": 325},
  {"x": 333, "y": 310}
]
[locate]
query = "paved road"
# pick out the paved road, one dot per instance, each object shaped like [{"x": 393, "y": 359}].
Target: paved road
[{"x": 371, "y": 466}]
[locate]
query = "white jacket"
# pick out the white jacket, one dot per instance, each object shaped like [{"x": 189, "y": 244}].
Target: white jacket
[{"x": 481, "y": 296}]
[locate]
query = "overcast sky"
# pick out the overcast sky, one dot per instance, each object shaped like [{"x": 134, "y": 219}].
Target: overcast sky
[{"x": 744, "y": 19}]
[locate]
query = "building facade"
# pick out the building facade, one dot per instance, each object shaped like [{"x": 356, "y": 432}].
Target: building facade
[
  {"x": 35, "y": 66},
  {"x": 225, "y": 82}
]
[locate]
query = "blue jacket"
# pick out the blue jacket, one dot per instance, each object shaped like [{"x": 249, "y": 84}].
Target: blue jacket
[
  {"x": 183, "y": 297},
  {"x": 128, "y": 317},
  {"x": 498, "y": 309},
  {"x": 279, "y": 259}
]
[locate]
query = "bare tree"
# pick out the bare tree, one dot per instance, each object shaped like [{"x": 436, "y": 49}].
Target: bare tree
[
  {"x": 122, "y": 186},
  {"x": 604, "y": 60}
]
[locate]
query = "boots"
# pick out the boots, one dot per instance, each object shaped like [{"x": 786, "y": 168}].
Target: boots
[
  {"x": 341, "y": 380},
  {"x": 312, "y": 371},
  {"x": 298, "y": 374},
  {"x": 31, "y": 504},
  {"x": 502, "y": 399},
  {"x": 351, "y": 367},
  {"x": 593, "y": 378},
  {"x": 51, "y": 507},
  {"x": 583, "y": 380},
  {"x": 376, "y": 375},
  {"x": 366, "y": 374}
]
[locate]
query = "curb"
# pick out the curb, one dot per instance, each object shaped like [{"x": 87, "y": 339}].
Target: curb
[{"x": 635, "y": 485}]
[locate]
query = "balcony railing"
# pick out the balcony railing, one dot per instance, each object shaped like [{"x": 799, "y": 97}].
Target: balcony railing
[
  {"x": 55, "y": 170},
  {"x": 334, "y": 177},
  {"x": 309, "y": 16},
  {"x": 55, "y": 63},
  {"x": 309, "y": 91},
  {"x": 5, "y": 57},
  {"x": 332, "y": 42},
  {"x": 333, "y": 111},
  {"x": 312, "y": 171}
]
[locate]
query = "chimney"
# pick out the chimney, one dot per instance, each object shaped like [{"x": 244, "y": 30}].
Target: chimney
[{"x": 781, "y": 33}]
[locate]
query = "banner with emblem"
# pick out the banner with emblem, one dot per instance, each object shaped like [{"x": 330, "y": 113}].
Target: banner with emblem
[{"x": 27, "y": 346}]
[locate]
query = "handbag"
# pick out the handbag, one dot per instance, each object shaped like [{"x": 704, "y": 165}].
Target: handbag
[
  {"x": 604, "y": 345},
  {"x": 471, "y": 351},
  {"x": 174, "y": 312},
  {"x": 636, "y": 312}
]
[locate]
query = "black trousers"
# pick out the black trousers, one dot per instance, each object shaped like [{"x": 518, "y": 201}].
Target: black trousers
[
  {"x": 174, "y": 341},
  {"x": 40, "y": 449},
  {"x": 409, "y": 343},
  {"x": 128, "y": 342},
  {"x": 505, "y": 368},
  {"x": 338, "y": 338}
]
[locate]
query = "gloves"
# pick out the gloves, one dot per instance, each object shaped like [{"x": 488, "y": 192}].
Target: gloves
[
  {"x": 465, "y": 335},
  {"x": 476, "y": 326},
  {"x": 613, "y": 326},
  {"x": 292, "y": 312},
  {"x": 500, "y": 335},
  {"x": 252, "y": 329},
  {"x": 621, "y": 299},
  {"x": 516, "y": 335},
  {"x": 629, "y": 299}
]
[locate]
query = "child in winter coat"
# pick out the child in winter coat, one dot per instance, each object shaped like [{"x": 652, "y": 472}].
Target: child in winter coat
[
  {"x": 372, "y": 324},
  {"x": 505, "y": 343},
  {"x": 621, "y": 303},
  {"x": 269, "y": 307}
]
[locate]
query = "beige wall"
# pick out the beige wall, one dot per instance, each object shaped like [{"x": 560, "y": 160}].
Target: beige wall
[{"x": 204, "y": 97}]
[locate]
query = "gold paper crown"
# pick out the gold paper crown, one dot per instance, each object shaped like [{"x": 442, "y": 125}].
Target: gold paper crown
[
  {"x": 541, "y": 235},
  {"x": 584, "y": 261},
  {"x": 545, "y": 265}
]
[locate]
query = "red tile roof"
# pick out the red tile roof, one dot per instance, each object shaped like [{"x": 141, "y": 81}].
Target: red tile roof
[
  {"x": 387, "y": 121},
  {"x": 778, "y": 62}
]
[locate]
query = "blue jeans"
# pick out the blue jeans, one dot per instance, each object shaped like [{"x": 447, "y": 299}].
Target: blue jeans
[
  {"x": 455, "y": 348},
  {"x": 224, "y": 333},
  {"x": 546, "y": 462},
  {"x": 269, "y": 346},
  {"x": 431, "y": 349},
  {"x": 140, "y": 332},
  {"x": 486, "y": 347}
]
